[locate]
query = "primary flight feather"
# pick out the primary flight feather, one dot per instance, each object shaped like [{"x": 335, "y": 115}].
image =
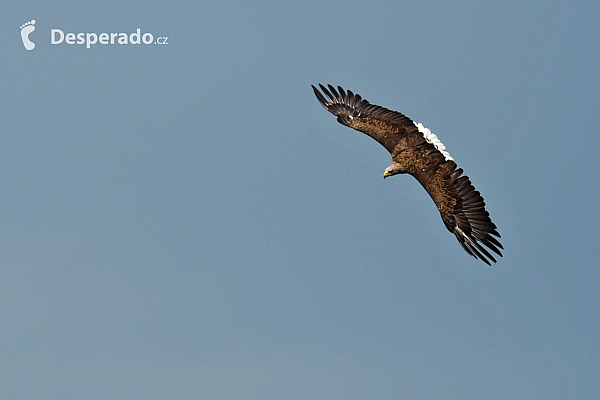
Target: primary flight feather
[{"x": 415, "y": 150}]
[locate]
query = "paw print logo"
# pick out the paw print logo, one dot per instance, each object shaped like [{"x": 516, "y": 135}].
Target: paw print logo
[{"x": 26, "y": 29}]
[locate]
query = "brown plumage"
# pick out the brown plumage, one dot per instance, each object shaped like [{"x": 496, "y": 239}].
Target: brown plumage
[{"x": 418, "y": 152}]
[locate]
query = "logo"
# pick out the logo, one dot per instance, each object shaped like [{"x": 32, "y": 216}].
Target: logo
[
  {"x": 57, "y": 37},
  {"x": 26, "y": 29}
]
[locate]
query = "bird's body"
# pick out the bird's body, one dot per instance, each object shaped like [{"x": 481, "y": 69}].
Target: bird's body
[{"x": 415, "y": 150}]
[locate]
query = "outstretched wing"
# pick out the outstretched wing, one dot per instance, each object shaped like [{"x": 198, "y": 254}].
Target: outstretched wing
[
  {"x": 461, "y": 206},
  {"x": 386, "y": 126}
]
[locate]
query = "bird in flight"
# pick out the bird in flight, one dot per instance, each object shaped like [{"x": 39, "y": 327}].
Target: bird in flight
[{"x": 415, "y": 150}]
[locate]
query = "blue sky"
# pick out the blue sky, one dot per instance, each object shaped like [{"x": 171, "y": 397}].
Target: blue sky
[{"x": 186, "y": 221}]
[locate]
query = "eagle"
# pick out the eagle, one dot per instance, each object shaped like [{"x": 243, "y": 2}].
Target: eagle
[{"x": 415, "y": 150}]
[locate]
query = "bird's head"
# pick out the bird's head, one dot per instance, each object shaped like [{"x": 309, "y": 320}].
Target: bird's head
[{"x": 393, "y": 169}]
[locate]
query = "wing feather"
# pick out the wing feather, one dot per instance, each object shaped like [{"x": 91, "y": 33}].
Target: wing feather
[
  {"x": 386, "y": 126},
  {"x": 463, "y": 210}
]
